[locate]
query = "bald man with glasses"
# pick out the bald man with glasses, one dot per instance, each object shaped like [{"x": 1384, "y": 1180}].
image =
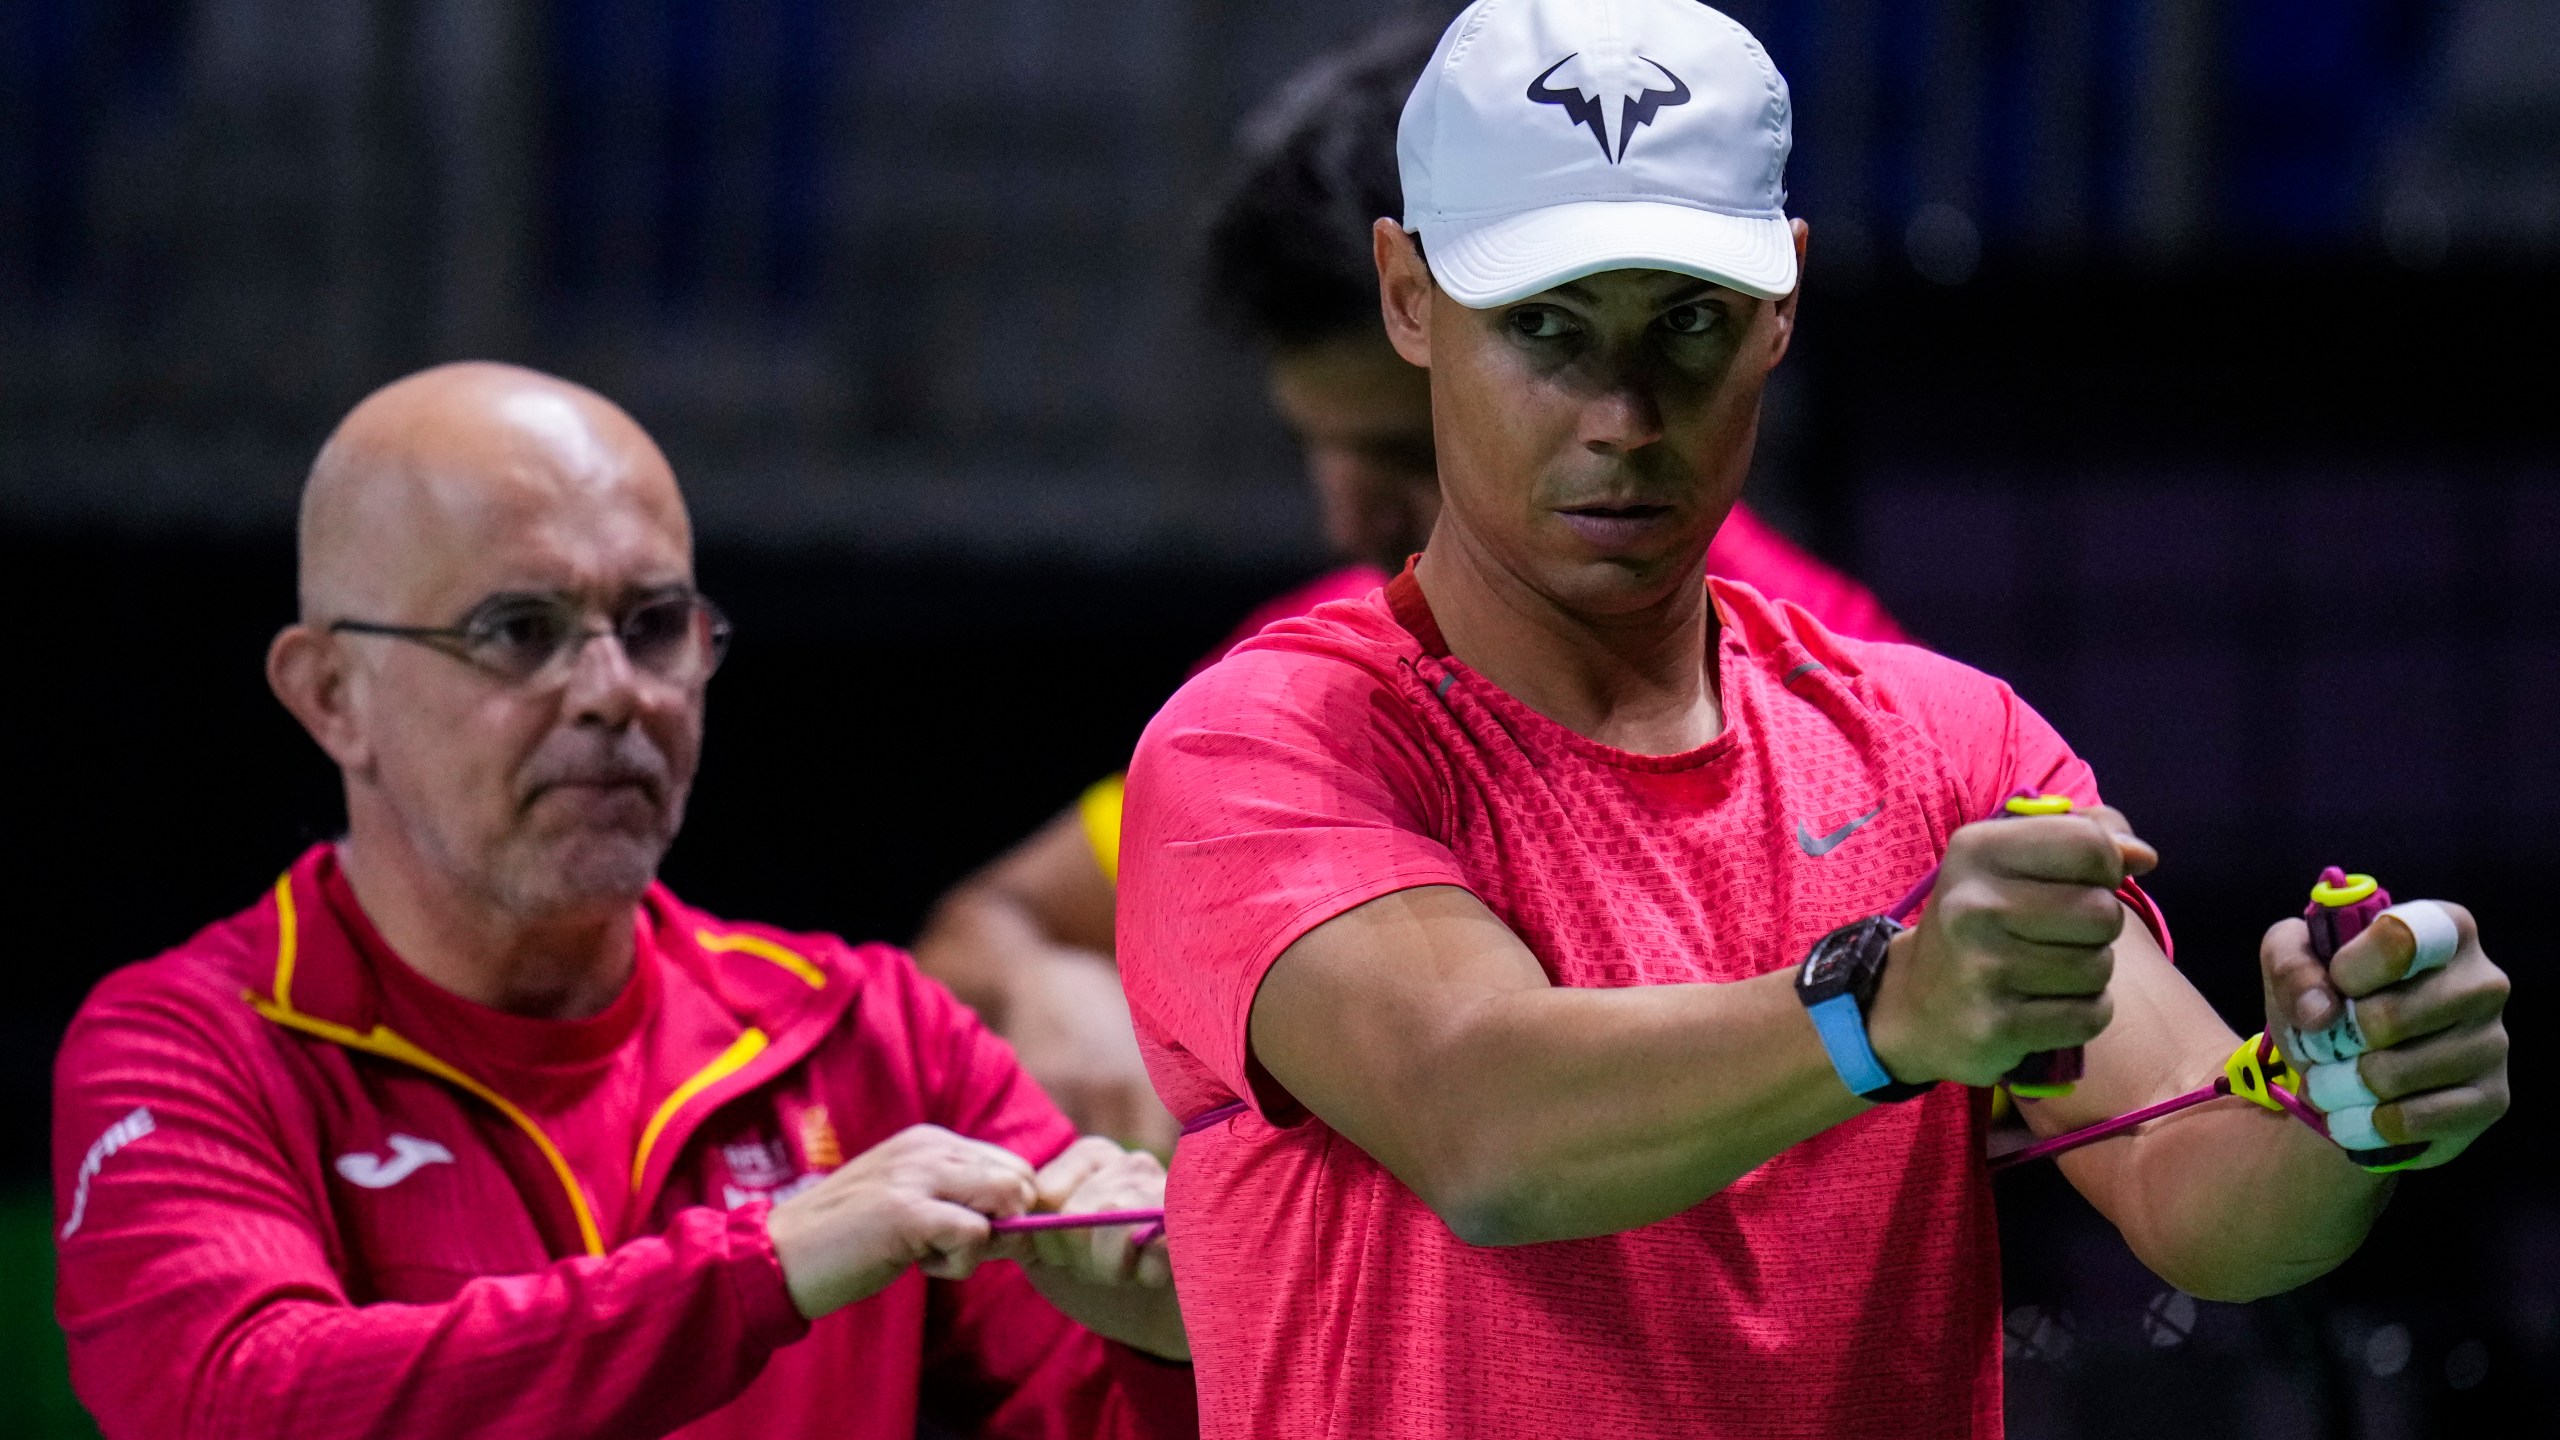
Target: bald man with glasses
[{"x": 469, "y": 1127}]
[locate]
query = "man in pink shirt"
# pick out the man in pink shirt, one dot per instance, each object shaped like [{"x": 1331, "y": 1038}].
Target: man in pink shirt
[
  {"x": 470, "y": 1128},
  {"x": 1512, "y": 942},
  {"x": 1027, "y": 941}
]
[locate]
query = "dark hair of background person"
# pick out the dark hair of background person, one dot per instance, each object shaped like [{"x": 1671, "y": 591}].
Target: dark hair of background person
[{"x": 1286, "y": 257}]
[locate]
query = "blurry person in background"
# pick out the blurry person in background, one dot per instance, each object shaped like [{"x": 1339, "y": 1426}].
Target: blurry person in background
[
  {"x": 469, "y": 1127},
  {"x": 1288, "y": 264}
]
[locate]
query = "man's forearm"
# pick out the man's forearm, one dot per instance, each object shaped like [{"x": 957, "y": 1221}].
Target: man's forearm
[
  {"x": 622, "y": 1347},
  {"x": 2229, "y": 1201},
  {"x": 1541, "y": 1113},
  {"x": 1604, "y": 1110}
]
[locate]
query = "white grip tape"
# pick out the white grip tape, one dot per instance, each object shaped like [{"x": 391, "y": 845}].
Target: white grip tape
[
  {"x": 2432, "y": 925},
  {"x": 2353, "y": 1129},
  {"x": 2342, "y": 1040},
  {"x": 2337, "y": 1086}
]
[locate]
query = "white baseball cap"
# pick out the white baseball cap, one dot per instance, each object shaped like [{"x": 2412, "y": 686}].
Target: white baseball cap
[{"x": 1553, "y": 139}]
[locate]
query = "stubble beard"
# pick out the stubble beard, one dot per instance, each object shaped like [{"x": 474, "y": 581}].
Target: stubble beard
[{"x": 537, "y": 873}]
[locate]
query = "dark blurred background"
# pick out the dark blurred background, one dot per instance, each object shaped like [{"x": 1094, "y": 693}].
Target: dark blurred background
[{"x": 2184, "y": 362}]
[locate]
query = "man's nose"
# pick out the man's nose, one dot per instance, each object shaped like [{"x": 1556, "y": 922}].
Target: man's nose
[
  {"x": 1621, "y": 415},
  {"x": 604, "y": 686}
]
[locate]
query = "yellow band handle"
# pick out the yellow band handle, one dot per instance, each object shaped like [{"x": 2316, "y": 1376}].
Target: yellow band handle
[
  {"x": 2038, "y": 805},
  {"x": 2250, "y": 1076},
  {"x": 2333, "y": 896}
]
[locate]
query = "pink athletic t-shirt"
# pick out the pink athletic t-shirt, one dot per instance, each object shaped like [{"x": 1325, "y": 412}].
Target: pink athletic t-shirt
[{"x": 1849, "y": 1286}]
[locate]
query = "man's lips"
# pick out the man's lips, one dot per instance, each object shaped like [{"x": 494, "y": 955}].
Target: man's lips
[
  {"x": 1615, "y": 527},
  {"x": 595, "y": 788}
]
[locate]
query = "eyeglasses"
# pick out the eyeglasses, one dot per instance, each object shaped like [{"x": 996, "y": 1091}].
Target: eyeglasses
[{"x": 679, "y": 636}]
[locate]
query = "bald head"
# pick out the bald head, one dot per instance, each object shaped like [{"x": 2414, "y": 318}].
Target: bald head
[
  {"x": 481, "y": 499},
  {"x": 427, "y": 472}
]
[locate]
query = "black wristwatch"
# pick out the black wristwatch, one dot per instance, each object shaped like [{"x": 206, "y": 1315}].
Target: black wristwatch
[{"x": 1837, "y": 984}]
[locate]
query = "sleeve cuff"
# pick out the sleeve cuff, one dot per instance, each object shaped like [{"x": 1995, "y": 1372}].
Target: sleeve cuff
[{"x": 763, "y": 1296}]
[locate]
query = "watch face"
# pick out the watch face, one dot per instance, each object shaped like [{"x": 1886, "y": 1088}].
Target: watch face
[
  {"x": 1841, "y": 959},
  {"x": 1830, "y": 964}
]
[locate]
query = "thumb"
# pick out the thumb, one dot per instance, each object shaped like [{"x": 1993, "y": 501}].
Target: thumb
[{"x": 2299, "y": 995}]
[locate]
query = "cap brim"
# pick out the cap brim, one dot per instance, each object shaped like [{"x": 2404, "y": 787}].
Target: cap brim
[{"x": 1483, "y": 263}]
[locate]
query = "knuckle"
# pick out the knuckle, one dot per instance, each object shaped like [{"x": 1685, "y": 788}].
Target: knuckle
[
  {"x": 2495, "y": 986},
  {"x": 2466, "y": 928},
  {"x": 1968, "y": 900},
  {"x": 1980, "y": 1029},
  {"x": 2093, "y": 848},
  {"x": 2285, "y": 950}
]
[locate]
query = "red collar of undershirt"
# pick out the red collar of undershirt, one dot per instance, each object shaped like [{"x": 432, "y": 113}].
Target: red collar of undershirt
[
  {"x": 493, "y": 1039},
  {"x": 1412, "y": 610}
]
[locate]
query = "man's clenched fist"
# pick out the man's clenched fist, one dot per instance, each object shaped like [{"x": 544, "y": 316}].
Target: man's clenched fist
[
  {"x": 2012, "y": 954},
  {"x": 2435, "y": 1064}
]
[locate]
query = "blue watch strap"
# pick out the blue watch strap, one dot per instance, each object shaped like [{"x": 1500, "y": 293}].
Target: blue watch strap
[{"x": 1843, "y": 1028}]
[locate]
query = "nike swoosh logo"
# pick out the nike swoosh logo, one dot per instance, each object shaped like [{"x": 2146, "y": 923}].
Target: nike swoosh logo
[
  {"x": 409, "y": 1154},
  {"x": 1819, "y": 846}
]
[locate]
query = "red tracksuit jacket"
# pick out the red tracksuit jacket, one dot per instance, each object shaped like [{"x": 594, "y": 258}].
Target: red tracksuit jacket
[{"x": 281, "y": 1216}]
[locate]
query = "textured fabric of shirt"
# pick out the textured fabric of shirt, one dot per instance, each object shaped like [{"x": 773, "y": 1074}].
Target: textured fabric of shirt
[
  {"x": 1848, "y": 1286},
  {"x": 302, "y": 1191}
]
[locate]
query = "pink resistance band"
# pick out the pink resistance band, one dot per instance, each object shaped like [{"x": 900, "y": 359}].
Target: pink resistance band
[
  {"x": 2074, "y": 1139},
  {"x": 1091, "y": 1218},
  {"x": 1150, "y": 1221}
]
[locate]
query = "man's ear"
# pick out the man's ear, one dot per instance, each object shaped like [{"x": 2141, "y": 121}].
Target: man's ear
[
  {"x": 1405, "y": 289},
  {"x": 1786, "y": 307},
  {"x": 306, "y": 668}
]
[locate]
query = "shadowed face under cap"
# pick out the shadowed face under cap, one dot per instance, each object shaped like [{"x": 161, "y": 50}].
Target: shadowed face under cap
[{"x": 438, "y": 494}]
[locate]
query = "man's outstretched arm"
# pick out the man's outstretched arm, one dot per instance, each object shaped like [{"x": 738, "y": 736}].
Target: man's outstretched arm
[{"x": 1423, "y": 1030}]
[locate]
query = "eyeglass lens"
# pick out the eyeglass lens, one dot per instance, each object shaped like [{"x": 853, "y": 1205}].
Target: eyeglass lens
[{"x": 678, "y": 638}]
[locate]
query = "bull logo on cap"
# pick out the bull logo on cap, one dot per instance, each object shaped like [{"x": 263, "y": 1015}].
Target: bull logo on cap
[{"x": 1590, "y": 110}]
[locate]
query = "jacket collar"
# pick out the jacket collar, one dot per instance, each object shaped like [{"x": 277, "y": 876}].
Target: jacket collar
[
  {"x": 753, "y": 976},
  {"x": 757, "y": 1005}
]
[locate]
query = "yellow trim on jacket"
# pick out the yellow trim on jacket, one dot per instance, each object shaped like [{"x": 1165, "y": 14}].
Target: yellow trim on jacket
[
  {"x": 763, "y": 949},
  {"x": 741, "y": 1051},
  {"x": 392, "y": 1045}
]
